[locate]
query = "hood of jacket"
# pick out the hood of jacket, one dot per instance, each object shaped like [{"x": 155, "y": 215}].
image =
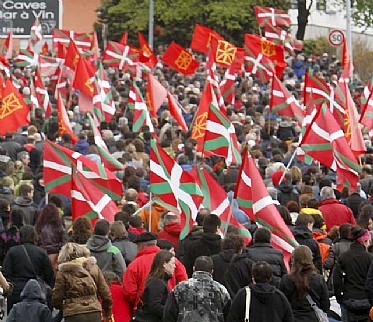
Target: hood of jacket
[
  {"x": 285, "y": 187},
  {"x": 98, "y": 243},
  {"x": 6, "y": 190},
  {"x": 302, "y": 231},
  {"x": 211, "y": 239},
  {"x": 263, "y": 291},
  {"x": 173, "y": 229},
  {"x": 23, "y": 201},
  {"x": 82, "y": 146},
  {"x": 227, "y": 255},
  {"x": 329, "y": 202},
  {"x": 32, "y": 291},
  {"x": 319, "y": 234}
]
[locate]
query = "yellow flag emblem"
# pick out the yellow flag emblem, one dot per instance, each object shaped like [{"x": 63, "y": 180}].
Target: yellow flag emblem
[
  {"x": 184, "y": 60},
  {"x": 88, "y": 83},
  {"x": 9, "y": 105},
  {"x": 199, "y": 127},
  {"x": 267, "y": 48},
  {"x": 225, "y": 52}
]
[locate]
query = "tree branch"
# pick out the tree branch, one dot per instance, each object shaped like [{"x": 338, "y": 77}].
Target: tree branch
[{"x": 309, "y": 7}]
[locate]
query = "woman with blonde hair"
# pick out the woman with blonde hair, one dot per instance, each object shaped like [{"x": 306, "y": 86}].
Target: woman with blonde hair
[
  {"x": 80, "y": 290},
  {"x": 304, "y": 285},
  {"x": 119, "y": 238}
]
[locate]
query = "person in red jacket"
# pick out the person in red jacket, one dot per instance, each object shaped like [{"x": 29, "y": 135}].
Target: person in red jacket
[
  {"x": 137, "y": 271},
  {"x": 171, "y": 229},
  {"x": 116, "y": 290},
  {"x": 334, "y": 212}
]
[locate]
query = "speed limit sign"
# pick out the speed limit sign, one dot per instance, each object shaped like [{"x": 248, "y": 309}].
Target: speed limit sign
[{"x": 336, "y": 37}]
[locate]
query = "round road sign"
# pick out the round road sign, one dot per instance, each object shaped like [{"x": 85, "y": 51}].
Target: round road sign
[{"x": 336, "y": 37}]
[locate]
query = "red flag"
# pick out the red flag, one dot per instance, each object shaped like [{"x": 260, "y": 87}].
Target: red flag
[
  {"x": 366, "y": 117},
  {"x": 151, "y": 58},
  {"x": 272, "y": 16},
  {"x": 123, "y": 39},
  {"x": 180, "y": 59},
  {"x": 216, "y": 199},
  {"x": 260, "y": 46},
  {"x": 63, "y": 120},
  {"x": 280, "y": 36},
  {"x": 58, "y": 164},
  {"x": 94, "y": 46},
  {"x": 14, "y": 112},
  {"x": 89, "y": 201},
  {"x": 84, "y": 77},
  {"x": 42, "y": 94},
  {"x": 175, "y": 111},
  {"x": 252, "y": 197},
  {"x": 82, "y": 40},
  {"x": 223, "y": 52},
  {"x": 8, "y": 46},
  {"x": 120, "y": 56},
  {"x": 346, "y": 60},
  {"x": 201, "y": 38},
  {"x": 155, "y": 95},
  {"x": 45, "y": 49},
  {"x": 325, "y": 141},
  {"x": 283, "y": 103},
  {"x": 72, "y": 55}
]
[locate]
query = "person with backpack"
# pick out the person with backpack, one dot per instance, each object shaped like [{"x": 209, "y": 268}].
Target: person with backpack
[{"x": 108, "y": 256}]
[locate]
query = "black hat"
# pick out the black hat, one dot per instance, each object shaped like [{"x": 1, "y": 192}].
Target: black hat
[{"x": 145, "y": 237}]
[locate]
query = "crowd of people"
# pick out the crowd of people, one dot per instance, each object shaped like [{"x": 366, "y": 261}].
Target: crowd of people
[{"x": 136, "y": 268}]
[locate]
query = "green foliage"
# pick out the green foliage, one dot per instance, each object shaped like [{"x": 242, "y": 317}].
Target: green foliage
[
  {"x": 318, "y": 46},
  {"x": 175, "y": 19},
  {"x": 362, "y": 55},
  {"x": 362, "y": 12}
]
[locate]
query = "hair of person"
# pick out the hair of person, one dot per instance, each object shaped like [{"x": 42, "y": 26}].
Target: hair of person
[
  {"x": 82, "y": 230},
  {"x": 71, "y": 251},
  {"x": 261, "y": 272},
  {"x": 4, "y": 204},
  {"x": 148, "y": 243},
  {"x": 49, "y": 216},
  {"x": 293, "y": 206},
  {"x": 102, "y": 227},
  {"x": 262, "y": 235},
  {"x": 21, "y": 155},
  {"x": 306, "y": 189},
  {"x": 313, "y": 203},
  {"x": 7, "y": 182},
  {"x": 211, "y": 223},
  {"x": 135, "y": 221},
  {"x": 129, "y": 209},
  {"x": 204, "y": 264},
  {"x": 201, "y": 215},
  {"x": 302, "y": 266},
  {"x": 131, "y": 194},
  {"x": 327, "y": 193},
  {"x": 319, "y": 221},
  {"x": 164, "y": 244},
  {"x": 118, "y": 230},
  {"x": 55, "y": 199},
  {"x": 324, "y": 183},
  {"x": 345, "y": 231},
  {"x": 362, "y": 204},
  {"x": 28, "y": 234},
  {"x": 122, "y": 216},
  {"x": 170, "y": 218},
  {"x": 157, "y": 268},
  {"x": 232, "y": 230},
  {"x": 304, "y": 219},
  {"x": 285, "y": 214},
  {"x": 25, "y": 189},
  {"x": 110, "y": 277},
  {"x": 234, "y": 242},
  {"x": 366, "y": 213},
  {"x": 134, "y": 183},
  {"x": 357, "y": 232},
  {"x": 27, "y": 176}
]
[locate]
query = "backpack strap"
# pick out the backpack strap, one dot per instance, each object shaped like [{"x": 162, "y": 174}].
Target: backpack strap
[{"x": 248, "y": 302}]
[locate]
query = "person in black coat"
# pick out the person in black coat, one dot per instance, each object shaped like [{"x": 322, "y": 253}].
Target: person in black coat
[
  {"x": 156, "y": 290},
  {"x": 350, "y": 276},
  {"x": 231, "y": 245},
  {"x": 267, "y": 302},
  {"x": 303, "y": 280},
  {"x": 262, "y": 250},
  {"x": 17, "y": 267},
  {"x": 207, "y": 245},
  {"x": 303, "y": 235}
]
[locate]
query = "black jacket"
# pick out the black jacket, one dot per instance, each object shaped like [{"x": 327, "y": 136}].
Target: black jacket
[
  {"x": 154, "y": 299},
  {"x": 30, "y": 212},
  {"x": 355, "y": 264},
  {"x": 353, "y": 202},
  {"x": 265, "y": 252},
  {"x": 304, "y": 237},
  {"x": 267, "y": 304},
  {"x": 209, "y": 244},
  {"x": 238, "y": 274},
  {"x": 302, "y": 310},
  {"x": 221, "y": 264},
  {"x": 18, "y": 270},
  {"x": 183, "y": 244},
  {"x": 286, "y": 193}
]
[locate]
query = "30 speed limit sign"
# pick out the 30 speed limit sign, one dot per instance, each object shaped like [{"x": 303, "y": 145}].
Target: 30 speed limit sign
[{"x": 336, "y": 37}]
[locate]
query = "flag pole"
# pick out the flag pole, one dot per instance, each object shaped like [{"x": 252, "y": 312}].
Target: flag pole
[
  {"x": 150, "y": 211},
  {"x": 229, "y": 215},
  {"x": 288, "y": 166}
]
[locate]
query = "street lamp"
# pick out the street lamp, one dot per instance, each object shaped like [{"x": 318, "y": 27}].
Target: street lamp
[
  {"x": 151, "y": 23},
  {"x": 103, "y": 19}
]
